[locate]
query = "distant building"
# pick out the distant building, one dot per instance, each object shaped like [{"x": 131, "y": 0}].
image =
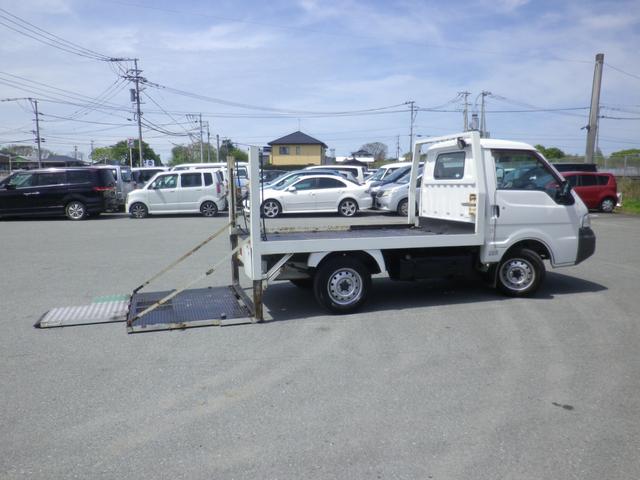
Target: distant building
[
  {"x": 297, "y": 149},
  {"x": 361, "y": 157}
]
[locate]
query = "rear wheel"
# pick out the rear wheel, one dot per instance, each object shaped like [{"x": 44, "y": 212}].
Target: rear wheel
[
  {"x": 403, "y": 208},
  {"x": 209, "y": 209},
  {"x": 138, "y": 210},
  {"x": 271, "y": 208},
  {"x": 348, "y": 207},
  {"x": 342, "y": 284},
  {"x": 75, "y": 210},
  {"x": 520, "y": 273},
  {"x": 607, "y": 205}
]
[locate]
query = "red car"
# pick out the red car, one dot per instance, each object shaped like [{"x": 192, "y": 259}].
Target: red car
[{"x": 596, "y": 189}]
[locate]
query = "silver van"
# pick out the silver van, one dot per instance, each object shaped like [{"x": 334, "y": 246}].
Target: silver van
[{"x": 124, "y": 182}]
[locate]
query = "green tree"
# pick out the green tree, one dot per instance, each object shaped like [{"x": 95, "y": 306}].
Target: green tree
[
  {"x": 119, "y": 154},
  {"x": 229, "y": 149},
  {"x": 550, "y": 152},
  {"x": 631, "y": 152},
  {"x": 191, "y": 153}
]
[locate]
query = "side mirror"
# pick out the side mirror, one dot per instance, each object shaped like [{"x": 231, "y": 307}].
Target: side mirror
[
  {"x": 8, "y": 186},
  {"x": 291, "y": 189},
  {"x": 564, "y": 194}
]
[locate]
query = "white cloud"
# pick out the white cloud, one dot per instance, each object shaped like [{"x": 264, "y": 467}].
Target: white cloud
[{"x": 217, "y": 37}]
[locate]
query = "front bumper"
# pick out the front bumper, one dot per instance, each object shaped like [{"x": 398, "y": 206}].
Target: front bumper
[{"x": 586, "y": 244}]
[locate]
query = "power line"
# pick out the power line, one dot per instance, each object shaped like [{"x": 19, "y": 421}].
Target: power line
[
  {"x": 23, "y": 27},
  {"x": 632, "y": 75},
  {"x": 258, "y": 107}
]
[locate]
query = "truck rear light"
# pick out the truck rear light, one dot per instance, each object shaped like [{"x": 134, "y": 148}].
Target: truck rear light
[{"x": 104, "y": 189}]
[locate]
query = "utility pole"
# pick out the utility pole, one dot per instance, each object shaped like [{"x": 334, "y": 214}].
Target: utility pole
[
  {"x": 92, "y": 151},
  {"x": 201, "y": 142},
  {"x": 75, "y": 152},
  {"x": 208, "y": 144},
  {"x": 38, "y": 139},
  {"x": 413, "y": 117},
  {"x": 398, "y": 148},
  {"x": 134, "y": 76},
  {"x": 466, "y": 110},
  {"x": 483, "y": 120},
  {"x": 592, "y": 128},
  {"x": 218, "y": 146}
]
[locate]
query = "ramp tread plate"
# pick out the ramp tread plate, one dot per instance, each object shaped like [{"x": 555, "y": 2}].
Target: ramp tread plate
[
  {"x": 191, "y": 308},
  {"x": 97, "y": 312}
]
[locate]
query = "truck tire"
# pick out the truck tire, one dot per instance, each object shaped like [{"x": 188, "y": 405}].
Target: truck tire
[
  {"x": 520, "y": 273},
  {"x": 342, "y": 284},
  {"x": 75, "y": 210}
]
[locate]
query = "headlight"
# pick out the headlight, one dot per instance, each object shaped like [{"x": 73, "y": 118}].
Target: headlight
[
  {"x": 586, "y": 221},
  {"x": 386, "y": 193}
]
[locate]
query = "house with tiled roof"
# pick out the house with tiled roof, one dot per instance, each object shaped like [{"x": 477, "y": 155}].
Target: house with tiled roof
[{"x": 297, "y": 148}]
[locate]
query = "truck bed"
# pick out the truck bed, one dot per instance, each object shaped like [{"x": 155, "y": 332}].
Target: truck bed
[{"x": 362, "y": 237}]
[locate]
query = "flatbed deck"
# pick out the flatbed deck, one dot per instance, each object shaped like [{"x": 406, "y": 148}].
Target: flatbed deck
[{"x": 284, "y": 240}]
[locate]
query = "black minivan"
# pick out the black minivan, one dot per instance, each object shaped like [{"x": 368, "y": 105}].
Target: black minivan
[{"x": 75, "y": 192}]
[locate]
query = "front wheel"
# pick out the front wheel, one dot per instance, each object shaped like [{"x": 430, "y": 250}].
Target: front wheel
[
  {"x": 209, "y": 209},
  {"x": 75, "y": 210},
  {"x": 520, "y": 273},
  {"x": 138, "y": 210},
  {"x": 348, "y": 208},
  {"x": 342, "y": 284},
  {"x": 607, "y": 205}
]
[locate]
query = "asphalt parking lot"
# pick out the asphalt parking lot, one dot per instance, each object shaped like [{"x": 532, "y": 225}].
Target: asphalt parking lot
[{"x": 430, "y": 380}]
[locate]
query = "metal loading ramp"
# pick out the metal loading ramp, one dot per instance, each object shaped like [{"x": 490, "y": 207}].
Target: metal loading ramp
[{"x": 213, "y": 306}]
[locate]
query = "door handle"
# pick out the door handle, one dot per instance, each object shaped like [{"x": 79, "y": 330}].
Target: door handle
[
  {"x": 496, "y": 210},
  {"x": 31, "y": 193}
]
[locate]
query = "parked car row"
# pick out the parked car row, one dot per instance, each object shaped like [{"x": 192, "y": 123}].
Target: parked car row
[{"x": 79, "y": 192}]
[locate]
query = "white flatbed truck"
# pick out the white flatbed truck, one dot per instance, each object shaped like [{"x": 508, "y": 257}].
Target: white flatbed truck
[{"x": 492, "y": 207}]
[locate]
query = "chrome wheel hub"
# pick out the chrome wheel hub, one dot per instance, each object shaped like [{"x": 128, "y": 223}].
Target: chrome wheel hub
[
  {"x": 345, "y": 286},
  {"x": 348, "y": 209},
  {"x": 517, "y": 274}
]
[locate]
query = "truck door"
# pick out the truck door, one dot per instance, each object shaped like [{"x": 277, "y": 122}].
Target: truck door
[
  {"x": 449, "y": 198},
  {"x": 526, "y": 205}
]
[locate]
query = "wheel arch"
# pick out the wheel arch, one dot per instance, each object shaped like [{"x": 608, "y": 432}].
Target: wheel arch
[
  {"x": 534, "y": 244},
  {"x": 372, "y": 259}
]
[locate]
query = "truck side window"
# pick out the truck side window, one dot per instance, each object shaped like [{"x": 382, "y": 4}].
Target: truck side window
[
  {"x": 523, "y": 170},
  {"x": 449, "y": 166}
]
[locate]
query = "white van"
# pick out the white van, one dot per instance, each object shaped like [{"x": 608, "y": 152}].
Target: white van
[
  {"x": 385, "y": 170},
  {"x": 243, "y": 171},
  {"x": 356, "y": 170},
  {"x": 187, "y": 191}
]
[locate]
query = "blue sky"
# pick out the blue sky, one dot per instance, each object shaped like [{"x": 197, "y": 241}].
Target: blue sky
[{"x": 315, "y": 56}]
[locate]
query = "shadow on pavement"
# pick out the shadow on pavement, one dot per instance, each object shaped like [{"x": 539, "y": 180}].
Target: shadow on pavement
[{"x": 284, "y": 301}]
